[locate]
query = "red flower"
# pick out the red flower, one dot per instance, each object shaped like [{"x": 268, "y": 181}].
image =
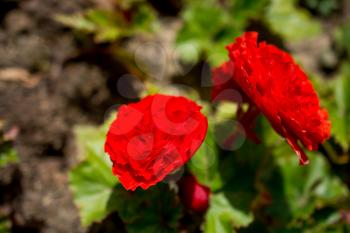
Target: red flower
[
  {"x": 193, "y": 195},
  {"x": 154, "y": 137},
  {"x": 272, "y": 83}
]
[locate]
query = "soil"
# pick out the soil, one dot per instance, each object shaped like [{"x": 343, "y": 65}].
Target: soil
[{"x": 46, "y": 87}]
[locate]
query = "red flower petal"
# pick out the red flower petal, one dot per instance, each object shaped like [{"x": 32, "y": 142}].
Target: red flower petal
[
  {"x": 151, "y": 138},
  {"x": 272, "y": 82}
]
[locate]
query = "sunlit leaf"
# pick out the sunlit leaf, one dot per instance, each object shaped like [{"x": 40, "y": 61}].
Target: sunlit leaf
[
  {"x": 291, "y": 22},
  {"x": 294, "y": 192},
  {"x": 92, "y": 181},
  {"x": 223, "y": 217},
  {"x": 8, "y": 155}
]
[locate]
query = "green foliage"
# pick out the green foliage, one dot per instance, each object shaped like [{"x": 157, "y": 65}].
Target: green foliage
[
  {"x": 323, "y": 7},
  {"x": 204, "y": 164},
  {"x": 8, "y": 154},
  {"x": 4, "y": 225},
  {"x": 92, "y": 181},
  {"x": 223, "y": 217},
  {"x": 97, "y": 193},
  {"x": 153, "y": 211},
  {"x": 291, "y": 22},
  {"x": 254, "y": 188},
  {"x": 210, "y": 25},
  {"x": 108, "y": 25},
  {"x": 309, "y": 188},
  {"x": 342, "y": 36},
  {"x": 339, "y": 107}
]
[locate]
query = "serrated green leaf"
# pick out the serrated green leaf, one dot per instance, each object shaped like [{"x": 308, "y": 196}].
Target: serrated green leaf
[
  {"x": 92, "y": 181},
  {"x": 223, "y": 217},
  {"x": 91, "y": 190}
]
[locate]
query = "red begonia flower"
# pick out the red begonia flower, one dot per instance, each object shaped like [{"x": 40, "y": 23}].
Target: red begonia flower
[
  {"x": 153, "y": 137},
  {"x": 273, "y": 84},
  {"x": 193, "y": 195}
]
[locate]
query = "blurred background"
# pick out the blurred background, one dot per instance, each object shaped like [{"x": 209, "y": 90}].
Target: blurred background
[{"x": 66, "y": 65}]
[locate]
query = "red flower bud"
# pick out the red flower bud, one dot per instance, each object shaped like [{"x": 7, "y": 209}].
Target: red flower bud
[{"x": 193, "y": 195}]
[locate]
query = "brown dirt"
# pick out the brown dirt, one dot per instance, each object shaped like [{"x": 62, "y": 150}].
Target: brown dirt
[{"x": 46, "y": 87}]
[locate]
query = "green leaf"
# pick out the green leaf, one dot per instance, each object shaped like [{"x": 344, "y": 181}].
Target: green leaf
[
  {"x": 210, "y": 25},
  {"x": 208, "y": 28},
  {"x": 342, "y": 35},
  {"x": 77, "y": 21},
  {"x": 8, "y": 154},
  {"x": 5, "y": 225},
  {"x": 339, "y": 109},
  {"x": 295, "y": 191},
  {"x": 155, "y": 210},
  {"x": 309, "y": 187},
  {"x": 144, "y": 19},
  {"x": 204, "y": 164},
  {"x": 110, "y": 25},
  {"x": 323, "y": 7},
  {"x": 291, "y": 22},
  {"x": 231, "y": 207},
  {"x": 223, "y": 217},
  {"x": 238, "y": 170},
  {"x": 92, "y": 181},
  {"x": 92, "y": 184}
]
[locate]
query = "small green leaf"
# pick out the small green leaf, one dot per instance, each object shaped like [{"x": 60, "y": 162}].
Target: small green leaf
[
  {"x": 77, "y": 22},
  {"x": 8, "y": 154},
  {"x": 223, "y": 217},
  {"x": 5, "y": 225}
]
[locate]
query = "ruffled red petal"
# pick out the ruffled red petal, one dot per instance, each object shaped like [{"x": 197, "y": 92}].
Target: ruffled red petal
[
  {"x": 151, "y": 138},
  {"x": 277, "y": 86}
]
